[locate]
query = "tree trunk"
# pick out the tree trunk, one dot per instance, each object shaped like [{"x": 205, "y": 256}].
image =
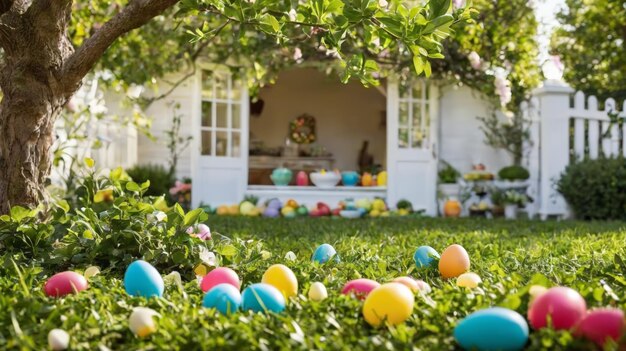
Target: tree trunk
[{"x": 33, "y": 97}]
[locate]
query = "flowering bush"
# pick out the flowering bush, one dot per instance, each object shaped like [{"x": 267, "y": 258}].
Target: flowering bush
[{"x": 181, "y": 193}]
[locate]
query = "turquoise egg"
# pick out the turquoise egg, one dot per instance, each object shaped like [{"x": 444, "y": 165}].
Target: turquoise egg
[
  {"x": 223, "y": 297},
  {"x": 425, "y": 256},
  {"x": 494, "y": 328},
  {"x": 142, "y": 279},
  {"x": 263, "y": 297},
  {"x": 324, "y": 253}
]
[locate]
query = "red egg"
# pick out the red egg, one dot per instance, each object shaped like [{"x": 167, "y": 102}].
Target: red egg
[
  {"x": 359, "y": 287},
  {"x": 65, "y": 283},
  {"x": 601, "y": 324},
  {"x": 564, "y": 306},
  {"x": 218, "y": 276}
]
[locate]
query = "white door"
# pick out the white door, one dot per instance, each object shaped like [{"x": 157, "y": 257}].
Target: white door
[
  {"x": 412, "y": 144},
  {"x": 220, "y": 167}
]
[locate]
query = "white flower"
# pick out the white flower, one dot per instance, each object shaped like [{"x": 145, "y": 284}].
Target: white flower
[
  {"x": 297, "y": 55},
  {"x": 141, "y": 321},
  {"x": 58, "y": 339},
  {"x": 91, "y": 271},
  {"x": 383, "y": 3},
  {"x": 290, "y": 256},
  {"x": 474, "y": 60},
  {"x": 160, "y": 216},
  {"x": 134, "y": 91},
  {"x": 457, "y": 4},
  {"x": 207, "y": 256},
  {"x": 96, "y": 108},
  {"x": 174, "y": 278},
  {"x": 293, "y": 15},
  {"x": 332, "y": 53}
]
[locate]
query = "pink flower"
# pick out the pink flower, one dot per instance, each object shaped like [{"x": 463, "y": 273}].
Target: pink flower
[
  {"x": 297, "y": 55},
  {"x": 201, "y": 231},
  {"x": 474, "y": 60},
  {"x": 457, "y": 4}
]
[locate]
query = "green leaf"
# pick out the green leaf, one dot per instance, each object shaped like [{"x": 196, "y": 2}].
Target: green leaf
[
  {"x": 228, "y": 251},
  {"x": 179, "y": 210},
  {"x": 418, "y": 65},
  {"x": 132, "y": 186},
  {"x": 145, "y": 185},
  {"x": 192, "y": 216},
  {"x": 439, "y": 7},
  {"x": 427, "y": 69}
]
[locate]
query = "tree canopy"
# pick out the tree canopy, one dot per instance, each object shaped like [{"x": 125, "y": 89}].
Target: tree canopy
[{"x": 592, "y": 45}]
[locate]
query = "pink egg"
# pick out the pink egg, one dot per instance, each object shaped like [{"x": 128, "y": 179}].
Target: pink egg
[
  {"x": 359, "y": 287},
  {"x": 65, "y": 283},
  {"x": 218, "y": 276},
  {"x": 564, "y": 306},
  {"x": 601, "y": 324}
]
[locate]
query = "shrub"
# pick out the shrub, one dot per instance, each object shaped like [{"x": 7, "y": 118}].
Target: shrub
[
  {"x": 513, "y": 173},
  {"x": 596, "y": 189},
  {"x": 448, "y": 174},
  {"x": 160, "y": 179}
]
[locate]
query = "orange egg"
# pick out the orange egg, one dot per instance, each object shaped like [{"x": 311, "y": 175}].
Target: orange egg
[{"x": 454, "y": 261}]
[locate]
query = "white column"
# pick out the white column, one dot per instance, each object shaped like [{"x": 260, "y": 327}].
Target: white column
[{"x": 554, "y": 113}]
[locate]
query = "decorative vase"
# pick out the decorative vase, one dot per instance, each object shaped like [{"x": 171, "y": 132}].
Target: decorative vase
[
  {"x": 510, "y": 211},
  {"x": 281, "y": 176},
  {"x": 349, "y": 178},
  {"x": 302, "y": 179}
]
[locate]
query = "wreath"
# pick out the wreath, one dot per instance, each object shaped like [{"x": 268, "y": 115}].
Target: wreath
[{"x": 302, "y": 130}]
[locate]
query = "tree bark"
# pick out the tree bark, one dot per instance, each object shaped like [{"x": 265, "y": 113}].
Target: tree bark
[{"x": 39, "y": 75}]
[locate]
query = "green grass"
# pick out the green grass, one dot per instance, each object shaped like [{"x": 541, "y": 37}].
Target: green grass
[{"x": 509, "y": 256}]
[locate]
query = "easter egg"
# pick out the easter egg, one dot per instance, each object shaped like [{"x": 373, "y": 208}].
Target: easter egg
[
  {"x": 391, "y": 303},
  {"x": 275, "y": 204},
  {"x": 423, "y": 286},
  {"x": 223, "y": 297},
  {"x": 218, "y": 276},
  {"x": 317, "y": 292},
  {"x": 360, "y": 288},
  {"x": 302, "y": 211},
  {"x": 602, "y": 324},
  {"x": 454, "y": 261},
  {"x": 263, "y": 297},
  {"x": 142, "y": 279},
  {"x": 408, "y": 282},
  {"x": 271, "y": 212},
  {"x": 288, "y": 212},
  {"x": 425, "y": 256},
  {"x": 58, "y": 339},
  {"x": 65, "y": 283},
  {"x": 468, "y": 280},
  {"x": 141, "y": 321},
  {"x": 494, "y": 329},
  {"x": 324, "y": 253},
  {"x": 282, "y": 278},
  {"x": 247, "y": 208},
  {"x": 563, "y": 306}
]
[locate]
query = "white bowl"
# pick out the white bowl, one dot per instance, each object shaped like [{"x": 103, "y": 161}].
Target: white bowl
[{"x": 325, "y": 180}]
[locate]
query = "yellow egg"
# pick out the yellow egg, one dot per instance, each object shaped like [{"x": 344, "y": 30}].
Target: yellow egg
[
  {"x": 382, "y": 178},
  {"x": 454, "y": 261},
  {"x": 317, "y": 292},
  {"x": 468, "y": 280},
  {"x": 390, "y": 302},
  {"x": 408, "y": 282},
  {"x": 141, "y": 321},
  {"x": 282, "y": 278}
]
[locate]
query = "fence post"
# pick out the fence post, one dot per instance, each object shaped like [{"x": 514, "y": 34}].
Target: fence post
[{"x": 553, "y": 98}]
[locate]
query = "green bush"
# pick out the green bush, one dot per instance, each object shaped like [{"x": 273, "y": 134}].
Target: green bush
[
  {"x": 160, "y": 179},
  {"x": 448, "y": 174},
  {"x": 513, "y": 173},
  {"x": 596, "y": 189}
]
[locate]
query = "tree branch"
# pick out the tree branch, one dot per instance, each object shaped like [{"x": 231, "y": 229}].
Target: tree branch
[{"x": 134, "y": 15}]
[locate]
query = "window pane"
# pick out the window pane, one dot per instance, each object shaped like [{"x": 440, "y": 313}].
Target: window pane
[
  {"x": 403, "y": 138},
  {"x": 207, "y": 85},
  {"x": 418, "y": 138},
  {"x": 207, "y": 120},
  {"x": 235, "y": 90},
  {"x": 416, "y": 123},
  {"x": 206, "y": 143},
  {"x": 221, "y": 143},
  {"x": 417, "y": 89},
  {"x": 236, "y": 144},
  {"x": 221, "y": 86},
  {"x": 236, "y": 116},
  {"x": 221, "y": 115},
  {"x": 403, "y": 117},
  {"x": 426, "y": 130}
]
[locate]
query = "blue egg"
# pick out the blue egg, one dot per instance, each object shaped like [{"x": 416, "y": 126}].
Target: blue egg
[
  {"x": 223, "y": 297},
  {"x": 263, "y": 297},
  {"x": 425, "y": 256},
  {"x": 494, "y": 328},
  {"x": 324, "y": 253},
  {"x": 142, "y": 279}
]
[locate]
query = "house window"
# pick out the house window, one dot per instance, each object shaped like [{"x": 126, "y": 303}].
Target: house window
[
  {"x": 221, "y": 115},
  {"x": 414, "y": 116}
]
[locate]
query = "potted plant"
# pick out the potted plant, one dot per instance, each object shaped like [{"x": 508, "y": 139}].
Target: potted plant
[
  {"x": 513, "y": 178},
  {"x": 497, "y": 199},
  {"x": 513, "y": 200},
  {"x": 449, "y": 187}
]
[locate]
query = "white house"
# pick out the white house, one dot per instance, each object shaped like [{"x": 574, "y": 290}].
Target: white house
[{"x": 409, "y": 130}]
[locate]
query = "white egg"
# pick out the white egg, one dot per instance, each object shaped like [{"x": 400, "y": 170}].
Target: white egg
[
  {"x": 141, "y": 321},
  {"x": 317, "y": 292},
  {"x": 58, "y": 339}
]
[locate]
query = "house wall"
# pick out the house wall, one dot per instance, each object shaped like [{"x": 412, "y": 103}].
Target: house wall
[
  {"x": 461, "y": 139},
  {"x": 179, "y": 102},
  {"x": 346, "y": 114}
]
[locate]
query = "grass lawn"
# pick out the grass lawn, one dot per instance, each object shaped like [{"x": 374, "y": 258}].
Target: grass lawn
[{"x": 509, "y": 256}]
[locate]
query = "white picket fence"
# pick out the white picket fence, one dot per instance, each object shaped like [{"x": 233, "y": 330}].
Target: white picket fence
[{"x": 566, "y": 127}]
